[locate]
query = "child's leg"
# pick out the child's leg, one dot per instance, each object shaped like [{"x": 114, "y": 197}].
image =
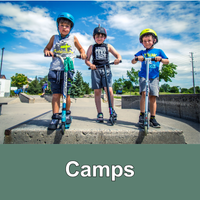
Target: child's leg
[
  {"x": 153, "y": 105},
  {"x": 56, "y": 103},
  {"x": 97, "y": 97},
  {"x": 68, "y": 102},
  {"x": 111, "y": 95},
  {"x": 142, "y": 102}
]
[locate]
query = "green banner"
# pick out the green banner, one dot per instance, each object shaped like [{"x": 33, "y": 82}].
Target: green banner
[{"x": 99, "y": 172}]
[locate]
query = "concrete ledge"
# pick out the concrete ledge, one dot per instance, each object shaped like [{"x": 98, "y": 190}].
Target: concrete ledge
[
  {"x": 23, "y": 135},
  {"x": 186, "y": 106},
  {"x": 24, "y": 98}
]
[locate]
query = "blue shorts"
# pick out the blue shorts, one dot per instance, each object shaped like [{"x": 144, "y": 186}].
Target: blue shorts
[
  {"x": 57, "y": 80},
  {"x": 99, "y": 79}
]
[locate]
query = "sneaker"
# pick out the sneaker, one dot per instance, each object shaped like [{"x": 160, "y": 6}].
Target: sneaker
[
  {"x": 100, "y": 117},
  {"x": 154, "y": 123},
  {"x": 54, "y": 122},
  {"x": 141, "y": 120},
  {"x": 68, "y": 117}
]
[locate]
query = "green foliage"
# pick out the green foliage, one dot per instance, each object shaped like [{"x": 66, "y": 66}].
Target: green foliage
[
  {"x": 133, "y": 76},
  {"x": 184, "y": 90},
  {"x": 197, "y": 88},
  {"x": 165, "y": 88},
  {"x": 168, "y": 72},
  {"x": 118, "y": 84},
  {"x": 19, "y": 80},
  {"x": 174, "y": 89},
  {"x": 161, "y": 89},
  {"x": 77, "y": 85},
  {"x": 87, "y": 89},
  {"x": 34, "y": 87}
]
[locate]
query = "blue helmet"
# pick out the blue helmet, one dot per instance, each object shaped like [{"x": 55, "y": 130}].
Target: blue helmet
[{"x": 66, "y": 16}]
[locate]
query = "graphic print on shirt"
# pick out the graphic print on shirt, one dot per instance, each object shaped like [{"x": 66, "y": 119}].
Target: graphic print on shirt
[
  {"x": 63, "y": 48},
  {"x": 100, "y": 53},
  {"x": 152, "y": 55}
]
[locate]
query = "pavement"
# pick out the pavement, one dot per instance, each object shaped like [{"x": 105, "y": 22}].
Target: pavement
[{"x": 84, "y": 116}]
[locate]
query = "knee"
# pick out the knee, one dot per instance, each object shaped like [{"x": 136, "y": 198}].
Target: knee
[
  {"x": 56, "y": 96},
  {"x": 111, "y": 90},
  {"x": 152, "y": 99},
  {"x": 143, "y": 94},
  {"x": 97, "y": 92}
]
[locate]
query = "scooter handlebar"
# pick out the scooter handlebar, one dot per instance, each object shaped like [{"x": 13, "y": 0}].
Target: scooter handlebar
[
  {"x": 152, "y": 59},
  {"x": 99, "y": 66}
]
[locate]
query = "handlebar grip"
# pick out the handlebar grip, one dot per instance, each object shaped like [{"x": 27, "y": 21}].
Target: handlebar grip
[
  {"x": 79, "y": 56},
  {"x": 50, "y": 55},
  {"x": 153, "y": 59}
]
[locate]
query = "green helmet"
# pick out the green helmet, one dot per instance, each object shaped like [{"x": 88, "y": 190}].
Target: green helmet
[{"x": 148, "y": 31}]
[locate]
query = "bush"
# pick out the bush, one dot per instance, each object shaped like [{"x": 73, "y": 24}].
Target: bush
[{"x": 174, "y": 89}]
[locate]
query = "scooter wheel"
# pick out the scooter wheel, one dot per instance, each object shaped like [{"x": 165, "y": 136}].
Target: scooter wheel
[
  {"x": 145, "y": 130},
  {"x": 63, "y": 129},
  {"x": 112, "y": 120}
]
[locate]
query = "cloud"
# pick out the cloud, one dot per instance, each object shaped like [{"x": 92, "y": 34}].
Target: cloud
[
  {"x": 34, "y": 24},
  {"x": 30, "y": 64}
]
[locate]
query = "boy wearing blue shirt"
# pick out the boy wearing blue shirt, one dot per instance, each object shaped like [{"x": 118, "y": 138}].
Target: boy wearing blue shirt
[{"x": 149, "y": 38}]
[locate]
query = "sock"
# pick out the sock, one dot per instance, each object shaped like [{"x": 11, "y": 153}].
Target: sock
[{"x": 141, "y": 113}]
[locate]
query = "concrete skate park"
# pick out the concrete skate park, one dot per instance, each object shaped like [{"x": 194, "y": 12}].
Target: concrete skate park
[{"x": 24, "y": 120}]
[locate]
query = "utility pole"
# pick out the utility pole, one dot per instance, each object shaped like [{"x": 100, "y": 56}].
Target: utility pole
[
  {"x": 1, "y": 60},
  {"x": 193, "y": 71}
]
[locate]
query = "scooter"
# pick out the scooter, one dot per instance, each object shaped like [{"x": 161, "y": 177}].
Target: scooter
[
  {"x": 112, "y": 118},
  {"x": 146, "y": 121},
  {"x": 66, "y": 69}
]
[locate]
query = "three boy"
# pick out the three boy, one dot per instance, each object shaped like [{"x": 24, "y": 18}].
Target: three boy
[{"x": 64, "y": 44}]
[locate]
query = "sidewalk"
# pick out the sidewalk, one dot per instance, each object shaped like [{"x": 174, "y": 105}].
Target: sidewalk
[
  {"x": 84, "y": 115},
  {"x": 16, "y": 112}
]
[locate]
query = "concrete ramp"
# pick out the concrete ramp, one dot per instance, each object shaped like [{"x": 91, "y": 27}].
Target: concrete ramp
[{"x": 85, "y": 130}]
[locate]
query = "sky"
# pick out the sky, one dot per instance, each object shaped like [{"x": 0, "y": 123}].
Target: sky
[{"x": 27, "y": 26}]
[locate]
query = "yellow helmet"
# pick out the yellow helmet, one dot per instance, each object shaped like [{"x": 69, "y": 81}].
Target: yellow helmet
[{"x": 148, "y": 31}]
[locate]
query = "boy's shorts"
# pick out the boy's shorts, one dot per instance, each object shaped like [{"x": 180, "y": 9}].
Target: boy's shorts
[
  {"x": 153, "y": 86},
  {"x": 57, "y": 79},
  {"x": 98, "y": 78}
]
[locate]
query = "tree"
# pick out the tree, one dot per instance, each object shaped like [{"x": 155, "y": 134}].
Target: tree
[
  {"x": 118, "y": 84},
  {"x": 19, "y": 80},
  {"x": 133, "y": 76},
  {"x": 174, "y": 89},
  {"x": 128, "y": 86},
  {"x": 87, "y": 89},
  {"x": 197, "y": 88},
  {"x": 165, "y": 87},
  {"x": 77, "y": 88},
  {"x": 34, "y": 87},
  {"x": 168, "y": 72},
  {"x": 184, "y": 90}
]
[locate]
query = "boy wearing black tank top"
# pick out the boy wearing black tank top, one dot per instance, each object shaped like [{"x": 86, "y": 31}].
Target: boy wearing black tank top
[{"x": 100, "y": 53}]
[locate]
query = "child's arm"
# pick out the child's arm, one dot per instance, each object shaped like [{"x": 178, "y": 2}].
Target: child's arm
[
  {"x": 80, "y": 48},
  {"x": 87, "y": 60},
  {"x": 47, "y": 49},
  {"x": 118, "y": 57}
]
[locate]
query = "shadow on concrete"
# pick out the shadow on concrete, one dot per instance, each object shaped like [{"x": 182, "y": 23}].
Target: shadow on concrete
[
  {"x": 140, "y": 138},
  {"x": 194, "y": 125}
]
